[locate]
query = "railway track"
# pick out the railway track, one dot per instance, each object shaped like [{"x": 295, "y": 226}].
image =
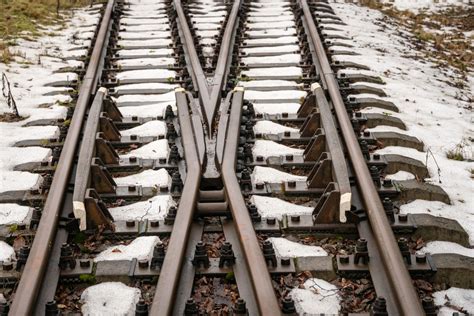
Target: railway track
[{"x": 189, "y": 115}]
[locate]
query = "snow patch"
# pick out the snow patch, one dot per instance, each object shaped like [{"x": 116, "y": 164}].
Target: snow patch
[
  {"x": 110, "y": 298},
  {"x": 316, "y": 298},
  {"x": 154, "y": 150},
  {"x": 289, "y": 249},
  {"x": 269, "y": 127},
  {"x": 140, "y": 248},
  {"x": 275, "y": 207},
  {"x": 146, "y": 178},
  {"x": 439, "y": 247},
  {"x": 154, "y": 208},
  {"x": 271, "y": 175},
  {"x": 462, "y": 298},
  {"x": 11, "y": 213},
  {"x": 151, "y": 128},
  {"x": 7, "y": 253},
  {"x": 268, "y": 148}
]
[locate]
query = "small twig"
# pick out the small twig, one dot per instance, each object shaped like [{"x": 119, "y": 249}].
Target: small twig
[{"x": 426, "y": 163}]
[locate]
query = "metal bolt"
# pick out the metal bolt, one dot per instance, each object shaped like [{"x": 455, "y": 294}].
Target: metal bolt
[
  {"x": 379, "y": 308},
  {"x": 84, "y": 263},
  {"x": 344, "y": 259},
  {"x": 402, "y": 217},
  {"x": 285, "y": 261},
  {"x": 143, "y": 263},
  {"x": 420, "y": 257},
  {"x": 295, "y": 218},
  {"x": 271, "y": 221},
  {"x": 141, "y": 309},
  {"x": 7, "y": 265},
  {"x": 288, "y": 306}
]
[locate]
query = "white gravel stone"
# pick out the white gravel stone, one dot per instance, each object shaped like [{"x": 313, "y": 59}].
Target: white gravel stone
[{"x": 110, "y": 298}]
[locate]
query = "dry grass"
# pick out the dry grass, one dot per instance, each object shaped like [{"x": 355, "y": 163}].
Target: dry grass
[
  {"x": 450, "y": 48},
  {"x": 22, "y": 18}
]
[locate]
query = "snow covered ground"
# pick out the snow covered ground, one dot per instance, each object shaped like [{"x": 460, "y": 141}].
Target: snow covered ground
[
  {"x": 432, "y": 5},
  {"x": 31, "y": 74},
  {"x": 434, "y": 111}
]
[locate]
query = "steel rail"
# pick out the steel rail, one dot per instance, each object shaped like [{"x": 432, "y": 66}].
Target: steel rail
[
  {"x": 223, "y": 63},
  {"x": 196, "y": 67},
  {"x": 86, "y": 153},
  {"x": 163, "y": 301},
  {"x": 334, "y": 145},
  {"x": 407, "y": 301},
  {"x": 34, "y": 271},
  {"x": 260, "y": 277}
]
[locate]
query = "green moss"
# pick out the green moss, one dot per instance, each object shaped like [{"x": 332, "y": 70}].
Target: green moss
[
  {"x": 87, "y": 278},
  {"x": 13, "y": 228}
]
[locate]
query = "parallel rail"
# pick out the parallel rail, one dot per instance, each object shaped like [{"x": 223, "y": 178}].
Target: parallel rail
[
  {"x": 35, "y": 268},
  {"x": 260, "y": 296}
]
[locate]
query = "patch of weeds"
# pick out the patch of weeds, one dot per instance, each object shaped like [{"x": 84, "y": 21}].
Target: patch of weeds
[
  {"x": 13, "y": 228},
  {"x": 45, "y": 142},
  {"x": 24, "y": 18},
  {"x": 10, "y": 117},
  {"x": 459, "y": 152},
  {"x": 88, "y": 278}
]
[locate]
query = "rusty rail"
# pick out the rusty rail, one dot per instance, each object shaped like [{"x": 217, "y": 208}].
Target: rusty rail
[
  {"x": 34, "y": 270},
  {"x": 400, "y": 288},
  {"x": 163, "y": 302},
  {"x": 260, "y": 277}
]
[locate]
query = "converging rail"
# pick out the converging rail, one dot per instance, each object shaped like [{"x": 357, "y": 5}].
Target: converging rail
[{"x": 209, "y": 117}]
